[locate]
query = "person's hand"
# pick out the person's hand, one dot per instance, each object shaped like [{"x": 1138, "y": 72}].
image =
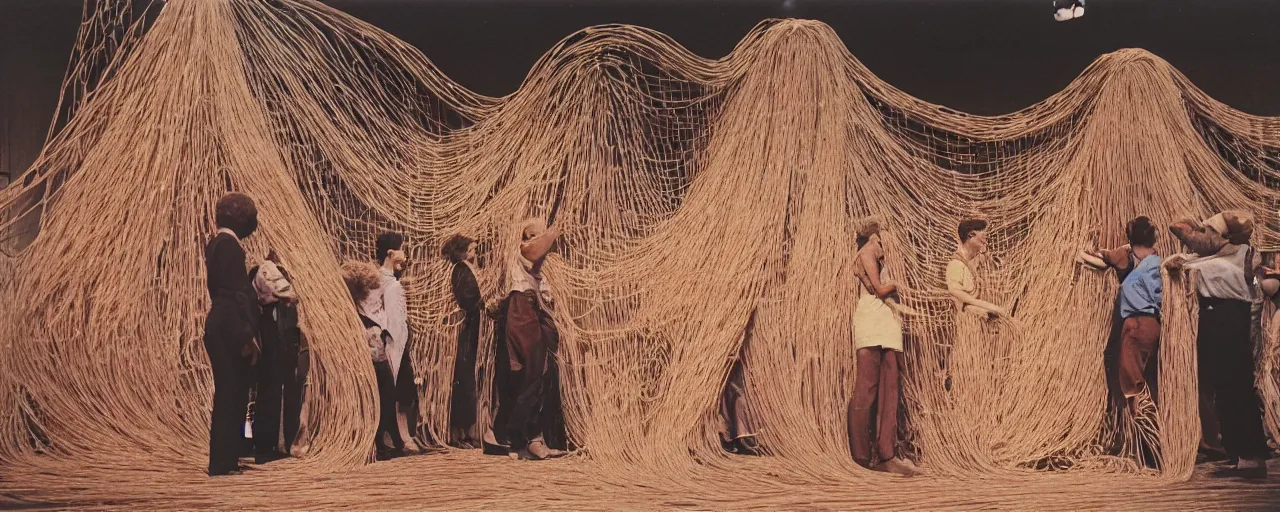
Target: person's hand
[
  {"x": 902, "y": 309},
  {"x": 1092, "y": 238},
  {"x": 251, "y": 350},
  {"x": 998, "y": 313},
  {"x": 1174, "y": 263}
]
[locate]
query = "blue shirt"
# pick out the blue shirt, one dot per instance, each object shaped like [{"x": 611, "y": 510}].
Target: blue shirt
[{"x": 1142, "y": 290}]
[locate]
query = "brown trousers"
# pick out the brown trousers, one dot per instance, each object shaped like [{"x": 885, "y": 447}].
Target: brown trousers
[
  {"x": 875, "y": 391},
  {"x": 1138, "y": 340},
  {"x": 530, "y": 404}
]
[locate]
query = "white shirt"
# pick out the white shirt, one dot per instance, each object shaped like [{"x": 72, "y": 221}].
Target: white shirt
[{"x": 397, "y": 318}]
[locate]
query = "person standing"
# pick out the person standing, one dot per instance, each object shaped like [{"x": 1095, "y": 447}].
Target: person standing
[
  {"x": 877, "y": 335},
  {"x": 529, "y": 409},
  {"x": 1139, "y": 304},
  {"x": 1226, "y": 279},
  {"x": 274, "y": 293},
  {"x": 737, "y": 433},
  {"x": 961, "y": 273},
  {"x": 363, "y": 282},
  {"x": 295, "y": 363},
  {"x": 391, "y": 260},
  {"x": 460, "y": 250},
  {"x": 229, "y": 331}
]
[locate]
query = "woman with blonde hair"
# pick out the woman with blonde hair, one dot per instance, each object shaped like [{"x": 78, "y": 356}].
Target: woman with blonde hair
[
  {"x": 877, "y": 334},
  {"x": 529, "y": 407}
]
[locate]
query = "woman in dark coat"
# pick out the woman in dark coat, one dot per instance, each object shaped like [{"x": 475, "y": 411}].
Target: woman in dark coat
[
  {"x": 466, "y": 292},
  {"x": 229, "y": 330}
]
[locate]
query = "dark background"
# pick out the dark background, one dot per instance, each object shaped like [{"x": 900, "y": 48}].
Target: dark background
[{"x": 978, "y": 56}]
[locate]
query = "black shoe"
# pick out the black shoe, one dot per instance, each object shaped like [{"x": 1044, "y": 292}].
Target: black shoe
[
  {"x": 728, "y": 446},
  {"x": 1254, "y": 473},
  {"x": 747, "y": 445},
  {"x": 271, "y": 456},
  {"x": 234, "y": 470},
  {"x": 384, "y": 453},
  {"x": 1210, "y": 456},
  {"x": 496, "y": 449}
]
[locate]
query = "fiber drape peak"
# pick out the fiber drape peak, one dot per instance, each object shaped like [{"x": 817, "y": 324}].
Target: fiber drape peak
[{"x": 692, "y": 193}]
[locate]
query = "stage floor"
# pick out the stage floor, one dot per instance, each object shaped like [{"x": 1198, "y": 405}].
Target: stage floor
[{"x": 456, "y": 480}]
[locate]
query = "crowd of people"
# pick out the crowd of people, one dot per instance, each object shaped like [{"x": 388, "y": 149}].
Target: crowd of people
[{"x": 254, "y": 343}]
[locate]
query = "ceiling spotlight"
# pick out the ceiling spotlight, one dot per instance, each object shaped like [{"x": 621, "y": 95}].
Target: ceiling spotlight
[{"x": 1064, "y": 10}]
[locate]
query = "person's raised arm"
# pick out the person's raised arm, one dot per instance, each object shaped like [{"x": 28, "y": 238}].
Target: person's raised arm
[
  {"x": 1091, "y": 259},
  {"x": 1101, "y": 260},
  {"x": 540, "y": 246}
]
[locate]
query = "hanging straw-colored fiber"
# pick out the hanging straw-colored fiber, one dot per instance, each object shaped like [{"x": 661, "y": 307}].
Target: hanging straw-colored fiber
[{"x": 692, "y": 193}]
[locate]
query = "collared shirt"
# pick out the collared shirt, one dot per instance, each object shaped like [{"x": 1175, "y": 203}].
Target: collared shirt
[
  {"x": 396, "y": 309},
  {"x": 1228, "y": 276},
  {"x": 1142, "y": 291}
]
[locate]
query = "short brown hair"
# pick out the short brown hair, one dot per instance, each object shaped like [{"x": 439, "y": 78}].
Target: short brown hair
[
  {"x": 968, "y": 227},
  {"x": 455, "y": 248},
  {"x": 1141, "y": 232}
]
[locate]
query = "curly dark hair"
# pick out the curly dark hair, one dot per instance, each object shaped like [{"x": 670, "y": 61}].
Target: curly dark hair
[
  {"x": 968, "y": 227},
  {"x": 455, "y": 248},
  {"x": 236, "y": 211},
  {"x": 1141, "y": 232},
  {"x": 388, "y": 242}
]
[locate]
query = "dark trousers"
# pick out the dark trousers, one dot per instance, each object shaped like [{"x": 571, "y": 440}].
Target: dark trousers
[
  {"x": 463, "y": 410},
  {"x": 266, "y": 406},
  {"x": 292, "y": 365},
  {"x": 733, "y": 402},
  {"x": 295, "y": 365},
  {"x": 875, "y": 399},
  {"x": 231, "y": 378},
  {"x": 1225, "y": 350},
  {"x": 387, "y": 404}
]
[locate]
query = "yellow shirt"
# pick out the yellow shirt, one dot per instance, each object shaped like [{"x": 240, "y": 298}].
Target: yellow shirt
[{"x": 960, "y": 277}]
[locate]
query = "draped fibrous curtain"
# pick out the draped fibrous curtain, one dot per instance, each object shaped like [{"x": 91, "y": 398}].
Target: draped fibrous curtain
[{"x": 693, "y": 193}]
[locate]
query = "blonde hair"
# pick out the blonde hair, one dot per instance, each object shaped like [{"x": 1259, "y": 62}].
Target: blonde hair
[
  {"x": 532, "y": 223},
  {"x": 869, "y": 225}
]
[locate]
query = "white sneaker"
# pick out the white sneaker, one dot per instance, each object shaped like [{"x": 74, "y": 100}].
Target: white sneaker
[{"x": 1064, "y": 14}]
